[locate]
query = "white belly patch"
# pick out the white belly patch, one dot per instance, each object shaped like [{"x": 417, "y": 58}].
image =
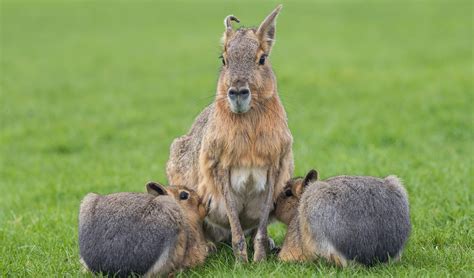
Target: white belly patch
[
  {"x": 247, "y": 179},
  {"x": 248, "y": 185}
]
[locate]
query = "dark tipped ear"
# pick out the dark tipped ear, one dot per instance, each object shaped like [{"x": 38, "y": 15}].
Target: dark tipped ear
[
  {"x": 310, "y": 177},
  {"x": 208, "y": 206},
  {"x": 266, "y": 30},
  {"x": 155, "y": 189},
  {"x": 228, "y": 27}
]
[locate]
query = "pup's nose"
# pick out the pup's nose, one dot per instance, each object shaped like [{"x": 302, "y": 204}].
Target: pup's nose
[{"x": 243, "y": 93}]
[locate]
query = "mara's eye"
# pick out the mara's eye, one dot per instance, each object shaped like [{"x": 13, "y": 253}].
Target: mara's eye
[
  {"x": 222, "y": 59},
  {"x": 288, "y": 193},
  {"x": 262, "y": 59},
  {"x": 183, "y": 195}
]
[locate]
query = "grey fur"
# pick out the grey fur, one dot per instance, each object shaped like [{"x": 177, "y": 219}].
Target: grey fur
[
  {"x": 365, "y": 219},
  {"x": 123, "y": 233}
]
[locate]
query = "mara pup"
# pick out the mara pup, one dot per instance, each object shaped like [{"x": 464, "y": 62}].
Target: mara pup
[
  {"x": 238, "y": 151},
  {"x": 344, "y": 218},
  {"x": 145, "y": 234}
]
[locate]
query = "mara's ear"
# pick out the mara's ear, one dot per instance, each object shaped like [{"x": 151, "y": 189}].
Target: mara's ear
[
  {"x": 228, "y": 27},
  {"x": 208, "y": 206},
  {"x": 266, "y": 30},
  {"x": 310, "y": 177},
  {"x": 155, "y": 189}
]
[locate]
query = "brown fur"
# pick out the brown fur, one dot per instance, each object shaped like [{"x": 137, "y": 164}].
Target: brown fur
[
  {"x": 221, "y": 142},
  {"x": 292, "y": 250},
  {"x": 257, "y": 139},
  {"x": 298, "y": 243},
  {"x": 194, "y": 248}
]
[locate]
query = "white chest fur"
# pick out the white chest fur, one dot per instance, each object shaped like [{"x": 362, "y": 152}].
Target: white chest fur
[
  {"x": 248, "y": 179},
  {"x": 248, "y": 186}
]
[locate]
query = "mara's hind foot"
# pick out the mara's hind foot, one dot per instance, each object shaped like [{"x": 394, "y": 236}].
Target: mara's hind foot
[
  {"x": 211, "y": 247},
  {"x": 338, "y": 260},
  {"x": 84, "y": 268}
]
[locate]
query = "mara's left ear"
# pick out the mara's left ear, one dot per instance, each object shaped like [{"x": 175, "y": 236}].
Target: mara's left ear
[
  {"x": 310, "y": 177},
  {"x": 266, "y": 30},
  {"x": 155, "y": 189},
  {"x": 228, "y": 28}
]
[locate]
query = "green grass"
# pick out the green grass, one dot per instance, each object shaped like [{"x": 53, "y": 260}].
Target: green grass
[{"x": 93, "y": 93}]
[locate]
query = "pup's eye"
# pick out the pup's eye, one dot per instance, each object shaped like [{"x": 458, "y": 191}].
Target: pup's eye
[
  {"x": 183, "y": 195},
  {"x": 262, "y": 59},
  {"x": 288, "y": 193},
  {"x": 222, "y": 59}
]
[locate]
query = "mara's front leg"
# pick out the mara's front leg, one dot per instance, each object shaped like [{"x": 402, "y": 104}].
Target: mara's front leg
[
  {"x": 239, "y": 246},
  {"x": 276, "y": 179},
  {"x": 261, "y": 243}
]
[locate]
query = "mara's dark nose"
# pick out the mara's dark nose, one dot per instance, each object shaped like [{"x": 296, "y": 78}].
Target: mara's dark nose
[{"x": 243, "y": 93}]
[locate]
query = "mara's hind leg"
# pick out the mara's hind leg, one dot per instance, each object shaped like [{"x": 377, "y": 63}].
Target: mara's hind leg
[
  {"x": 338, "y": 260},
  {"x": 171, "y": 259},
  {"x": 291, "y": 251},
  {"x": 84, "y": 269},
  {"x": 316, "y": 245},
  {"x": 396, "y": 258},
  {"x": 332, "y": 255},
  {"x": 293, "y": 246}
]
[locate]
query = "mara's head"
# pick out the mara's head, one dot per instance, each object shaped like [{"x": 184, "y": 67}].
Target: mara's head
[
  {"x": 187, "y": 199},
  {"x": 287, "y": 202},
  {"x": 246, "y": 77}
]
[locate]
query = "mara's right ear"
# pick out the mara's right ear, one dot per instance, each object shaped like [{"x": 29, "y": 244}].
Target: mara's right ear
[
  {"x": 155, "y": 189},
  {"x": 310, "y": 177},
  {"x": 266, "y": 30}
]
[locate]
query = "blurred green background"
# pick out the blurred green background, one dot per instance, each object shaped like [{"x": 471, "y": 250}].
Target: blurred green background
[{"x": 93, "y": 93}]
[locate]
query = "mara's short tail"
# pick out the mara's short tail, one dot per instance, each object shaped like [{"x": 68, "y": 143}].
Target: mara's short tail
[{"x": 396, "y": 182}]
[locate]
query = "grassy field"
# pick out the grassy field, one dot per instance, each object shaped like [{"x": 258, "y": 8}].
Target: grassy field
[{"x": 93, "y": 93}]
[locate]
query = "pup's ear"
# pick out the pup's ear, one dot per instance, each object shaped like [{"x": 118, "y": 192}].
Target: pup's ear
[
  {"x": 155, "y": 189},
  {"x": 310, "y": 177},
  {"x": 208, "y": 205}
]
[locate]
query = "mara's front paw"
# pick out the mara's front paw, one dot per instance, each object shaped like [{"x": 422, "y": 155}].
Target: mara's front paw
[
  {"x": 211, "y": 247},
  {"x": 271, "y": 244},
  {"x": 338, "y": 260},
  {"x": 240, "y": 250},
  {"x": 273, "y": 249},
  {"x": 259, "y": 255},
  {"x": 261, "y": 246}
]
